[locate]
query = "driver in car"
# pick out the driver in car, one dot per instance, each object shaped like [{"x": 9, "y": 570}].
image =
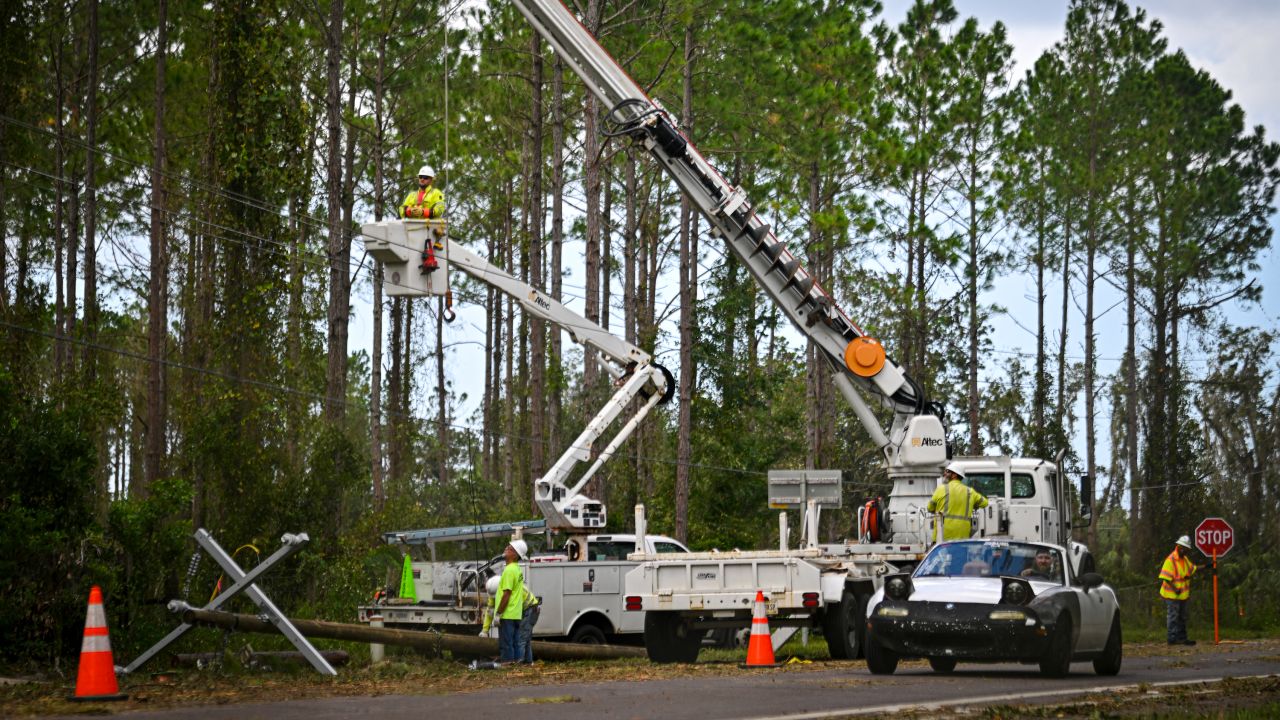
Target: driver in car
[{"x": 1042, "y": 567}]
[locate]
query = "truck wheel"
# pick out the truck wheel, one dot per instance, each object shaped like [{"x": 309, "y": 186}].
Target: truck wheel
[
  {"x": 588, "y": 634},
  {"x": 1109, "y": 662},
  {"x": 1056, "y": 661},
  {"x": 844, "y": 626},
  {"x": 880, "y": 659},
  {"x": 668, "y": 638}
]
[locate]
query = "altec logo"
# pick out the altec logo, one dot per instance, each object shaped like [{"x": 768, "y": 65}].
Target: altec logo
[
  {"x": 926, "y": 442},
  {"x": 539, "y": 301}
]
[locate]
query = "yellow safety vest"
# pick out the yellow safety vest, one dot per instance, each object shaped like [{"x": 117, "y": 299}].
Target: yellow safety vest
[
  {"x": 956, "y": 501},
  {"x": 427, "y": 198},
  {"x": 1175, "y": 577}
]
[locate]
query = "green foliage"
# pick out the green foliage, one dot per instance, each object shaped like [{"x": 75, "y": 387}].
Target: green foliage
[{"x": 49, "y": 534}]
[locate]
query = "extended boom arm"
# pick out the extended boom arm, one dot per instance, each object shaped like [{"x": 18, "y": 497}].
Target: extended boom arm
[
  {"x": 634, "y": 373},
  {"x": 860, "y": 362}
]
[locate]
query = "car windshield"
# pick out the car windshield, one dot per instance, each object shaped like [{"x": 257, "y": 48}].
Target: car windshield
[{"x": 989, "y": 558}]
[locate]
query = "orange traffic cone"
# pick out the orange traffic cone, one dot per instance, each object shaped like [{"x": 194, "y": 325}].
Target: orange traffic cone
[
  {"x": 96, "y": 679},
  {"x": 760, "y": 649}
]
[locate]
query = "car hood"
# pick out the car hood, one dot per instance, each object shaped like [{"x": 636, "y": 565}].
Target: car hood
[{"x": 985, "y": 590}]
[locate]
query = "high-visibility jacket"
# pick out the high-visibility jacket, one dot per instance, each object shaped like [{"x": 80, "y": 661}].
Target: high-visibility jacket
[
  {"x": 512, "y": 580},
  {"x": 426, "y": 198},
  {"x": 956, "y": 502},
  {"x": 1175, "y": 577}
]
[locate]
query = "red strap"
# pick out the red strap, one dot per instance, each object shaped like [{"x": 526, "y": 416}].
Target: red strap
[{"x": 421, "y": 193}]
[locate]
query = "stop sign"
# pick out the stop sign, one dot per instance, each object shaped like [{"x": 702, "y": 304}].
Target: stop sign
[{"x": 1214, "y": 536}]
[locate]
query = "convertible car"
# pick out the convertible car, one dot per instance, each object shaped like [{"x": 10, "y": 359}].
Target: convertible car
[{"x": 996, "y": 601}]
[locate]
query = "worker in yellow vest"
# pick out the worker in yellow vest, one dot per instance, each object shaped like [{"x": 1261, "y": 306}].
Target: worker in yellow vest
[
  {"x": 425, "y": 203},
  {"x": 1175, "y": 588},
  {"x": 955, "y": 502}
]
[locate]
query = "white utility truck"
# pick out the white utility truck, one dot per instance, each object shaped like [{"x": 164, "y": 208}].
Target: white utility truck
[
  {"x": 816, "y": 584},
  {"x": 581, "y": 600},
  {"x": 580, "y": 585}
]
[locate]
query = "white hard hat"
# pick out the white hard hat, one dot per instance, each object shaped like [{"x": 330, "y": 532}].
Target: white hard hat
[
  {"x": 956, "y": 468},
  {"x": 521, "y": 547},
  {"x": 491, "y": 586},
  {"x": 427, "y": 170},
  {"x": 1184, "y": 541}
]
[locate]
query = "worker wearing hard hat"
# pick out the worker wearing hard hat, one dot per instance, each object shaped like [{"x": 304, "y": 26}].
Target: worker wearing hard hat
[
  {"x": 1175, "y": 588},
  {"x": 955, "y": 502},
  {"x": 490, "y": 589},
  {"x": 425, "y": 203},
  {"x": 532, "y": 611},
  {"x": 510, "y": 609}
]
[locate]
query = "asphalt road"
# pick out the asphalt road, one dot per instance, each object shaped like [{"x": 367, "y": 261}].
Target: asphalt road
[{"x": 775, "y": 694}]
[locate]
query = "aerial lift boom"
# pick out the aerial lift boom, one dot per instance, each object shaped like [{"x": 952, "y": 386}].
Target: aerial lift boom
[{"x": 635, "y": 375}]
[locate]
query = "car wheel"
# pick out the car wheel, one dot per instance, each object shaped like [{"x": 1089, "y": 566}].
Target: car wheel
[
  {"x": 668, "y": 638},
  {"x": 1109, "y": 662},
  {"x": 588, "y": 634},
  {"x": 880, "y": 659},
  {"x": 942, "y": 665},
  {"x": 1056, "y": 661},
  {"x": 845, "y": 625}
]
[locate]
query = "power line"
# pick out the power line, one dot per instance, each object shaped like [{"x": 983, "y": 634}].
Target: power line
[{"x": 343, "y": 401}]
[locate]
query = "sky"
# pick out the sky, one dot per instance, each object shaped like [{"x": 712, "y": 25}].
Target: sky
[{"x": 1231, "y": 40}]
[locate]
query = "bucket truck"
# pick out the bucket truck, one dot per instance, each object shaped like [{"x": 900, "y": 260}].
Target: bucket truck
[{"x": 822, "y": 585}]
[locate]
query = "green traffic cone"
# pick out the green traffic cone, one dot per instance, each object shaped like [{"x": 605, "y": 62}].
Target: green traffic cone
[{"x": 407, "y": 589}]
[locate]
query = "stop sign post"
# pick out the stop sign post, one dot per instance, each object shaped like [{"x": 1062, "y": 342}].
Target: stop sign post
[{"x": 1215, "y": 538}]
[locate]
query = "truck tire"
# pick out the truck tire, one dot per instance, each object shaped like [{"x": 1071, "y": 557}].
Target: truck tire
[
  {"x": 880, "y": 659},
  {"x": 668, "y": 638},
  {"x": 844, "y": 626},
  {"x": 587, "y": 634}
]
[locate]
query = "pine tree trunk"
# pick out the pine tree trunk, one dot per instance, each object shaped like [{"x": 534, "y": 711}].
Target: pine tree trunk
[
  {"x": 338, "y": 245},
  {"x": 537, "y": 328},
  {"x": 688, "y": 320},
  {"x": 591, "y": 160},
  {"x": 91, "y": 220},
  {"x": 375, "y": 365},
  {"x": 158, "y": 285},
  {"x": 555, "y": 397}
]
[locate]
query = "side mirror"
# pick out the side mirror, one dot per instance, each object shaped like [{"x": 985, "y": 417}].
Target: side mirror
[
  {"x": 1090, "y": 580},
  {"x": 1086, "y": 499}
]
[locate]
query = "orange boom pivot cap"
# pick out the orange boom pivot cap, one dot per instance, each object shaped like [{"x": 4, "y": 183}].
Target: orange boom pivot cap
[{"x": 864, "y": 356}]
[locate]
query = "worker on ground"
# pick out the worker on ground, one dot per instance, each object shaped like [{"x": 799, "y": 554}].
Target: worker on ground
[
  {"x": 510, "y": 609},
  {"x": 425, "y": 203},
  {"x": 532, "y": 611},
  {"x": 1175, "y": 588},
  {"x": 491, "y": 589},
  {"x": 955, "y": 502}
]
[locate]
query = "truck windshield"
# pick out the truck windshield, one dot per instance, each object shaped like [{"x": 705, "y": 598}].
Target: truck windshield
[
  {"x": 992, "y": 484},
  {"x": 976, "y": 558},
  {"x": 610, "y": 549}
]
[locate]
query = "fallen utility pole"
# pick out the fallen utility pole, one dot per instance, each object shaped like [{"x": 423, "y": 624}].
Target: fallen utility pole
[
  {"x": 411, "y": 638},
  {"x": 334, "y": 657}
]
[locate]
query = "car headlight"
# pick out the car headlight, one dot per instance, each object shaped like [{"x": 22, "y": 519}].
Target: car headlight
[
  {"x": 897, "y": 587},
  {"x": 1014, "y": 615},
  {"x": 891, "y": 611},
  {"x": 1016, "y": 592}
]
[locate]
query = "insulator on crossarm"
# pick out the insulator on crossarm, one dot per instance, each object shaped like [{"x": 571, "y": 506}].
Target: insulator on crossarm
[
  {"x": 788, "y": 268},
  {"x": 773, "y": 252},
  {"x": 802, "y": 284}
]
